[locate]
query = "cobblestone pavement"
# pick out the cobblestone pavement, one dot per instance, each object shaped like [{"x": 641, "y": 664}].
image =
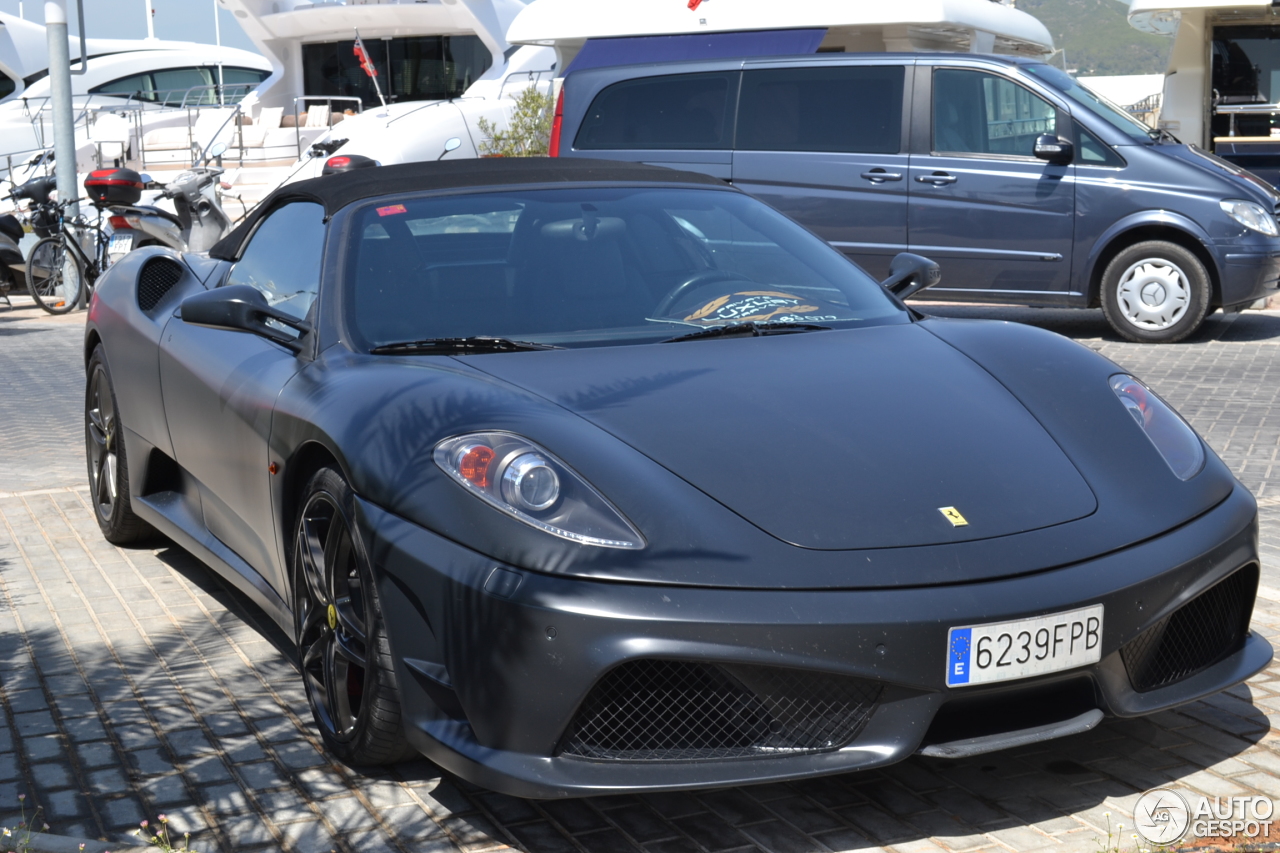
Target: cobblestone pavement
[{"x": 133, "y": 682}]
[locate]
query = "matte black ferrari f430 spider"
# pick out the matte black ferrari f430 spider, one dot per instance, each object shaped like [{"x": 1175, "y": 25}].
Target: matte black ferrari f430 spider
[{"x": 583, "y": 477}]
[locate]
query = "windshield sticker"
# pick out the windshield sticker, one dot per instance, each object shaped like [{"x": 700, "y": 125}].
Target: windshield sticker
[
  {"x": 756, "y": 305},
  {"x": 392, "y": 210}
]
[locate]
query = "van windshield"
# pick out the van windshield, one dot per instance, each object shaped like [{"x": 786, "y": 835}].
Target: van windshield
[{"x": 1094, "y": 103}]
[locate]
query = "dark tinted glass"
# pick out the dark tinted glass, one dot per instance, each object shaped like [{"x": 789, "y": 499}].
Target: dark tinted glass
[
  {"x": 680, "y": 111},
  {"x": 283, "y": 257},
  {"x": 1091, "y": 152},
  {"x": 977, "y": 113},
  {"x": 6, "y": 86},
  {"x": 588, "y": 267},
  {"x": 844, "y": 108},
  {"x": 415, "y": 68}
]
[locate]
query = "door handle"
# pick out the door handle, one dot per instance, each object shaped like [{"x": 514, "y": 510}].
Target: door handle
[
  {"x": 937, "y": 179},
  {"x": 879, "y": 176}
]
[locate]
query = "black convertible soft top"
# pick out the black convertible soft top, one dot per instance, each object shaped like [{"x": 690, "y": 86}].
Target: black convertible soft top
[{"x": 335, "y": 192}]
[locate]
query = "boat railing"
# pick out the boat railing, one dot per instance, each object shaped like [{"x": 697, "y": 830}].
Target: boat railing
[
  {"x": 1234, "y": 110},
  {"x": 327, "y": 100},
  {"x": 525, "y": 79}
]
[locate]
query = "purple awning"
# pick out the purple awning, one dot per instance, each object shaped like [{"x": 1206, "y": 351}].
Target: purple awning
[{"x": 637, "y": 50}]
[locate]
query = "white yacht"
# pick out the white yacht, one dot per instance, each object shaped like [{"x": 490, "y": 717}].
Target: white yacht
[
  {"x": 1222, "y": 86},
  {"x": 121, "y": 79},
  {"x": 441, "y": 66},
  {"x": 971, "y": 26}
]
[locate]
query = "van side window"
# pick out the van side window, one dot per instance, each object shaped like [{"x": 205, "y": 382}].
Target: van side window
[
  {"x": 978, "y": 113},
  {"x": 1091, "y": 152},
  {"x": 677, "y": 111},
  {"x": 283, "y": 257},
  {"x": 850, "y": 108}
]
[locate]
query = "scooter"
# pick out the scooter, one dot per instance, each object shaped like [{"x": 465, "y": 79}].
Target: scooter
[
  {"x": 198, "y": 223},
  {"x": 13, "y": 267}
]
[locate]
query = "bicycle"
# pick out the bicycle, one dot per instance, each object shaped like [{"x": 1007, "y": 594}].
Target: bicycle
[{"x": 59, "y": 265}]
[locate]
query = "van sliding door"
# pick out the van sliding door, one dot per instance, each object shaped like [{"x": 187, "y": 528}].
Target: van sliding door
[{"x": 824, "y": 145}]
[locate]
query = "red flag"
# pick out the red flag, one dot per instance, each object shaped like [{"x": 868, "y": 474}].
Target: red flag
[
  {"x": 694, "y": 4},
  {"x": 363, "y": 55}
]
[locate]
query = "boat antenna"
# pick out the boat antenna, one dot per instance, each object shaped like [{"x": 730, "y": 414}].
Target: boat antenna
[{"x": 367, "y": 64}]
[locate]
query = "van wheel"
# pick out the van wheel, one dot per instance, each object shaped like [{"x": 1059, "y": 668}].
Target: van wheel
[{"x": 1155, "y": 292}]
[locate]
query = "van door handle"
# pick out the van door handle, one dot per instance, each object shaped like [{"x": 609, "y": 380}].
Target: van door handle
[
  {"x": 879, "y": 176},
  {"x": 937, "y": 179}
]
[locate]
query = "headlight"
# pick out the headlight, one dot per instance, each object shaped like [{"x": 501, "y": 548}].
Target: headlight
[
  {"x": 1252, "y": 216},
  {"x": 519, "y": 478},
  {"x": 1176, "y": 441}
]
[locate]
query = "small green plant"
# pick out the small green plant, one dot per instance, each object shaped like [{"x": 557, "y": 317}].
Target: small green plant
[
  {"x": 528, "y": 134},
  {"x": 18, "y": 839},
  {"x": 159, "y": 837},
  {"x": 1115, "y": 841}
]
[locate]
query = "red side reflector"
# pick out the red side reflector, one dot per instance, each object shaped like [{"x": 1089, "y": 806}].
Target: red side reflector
[
  {"x": 119, "y": 223},
  {"x": 553, "y": 150},
  {"x": 337, "y": 162}
]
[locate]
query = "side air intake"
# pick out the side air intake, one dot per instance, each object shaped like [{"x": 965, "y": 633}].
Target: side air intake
[{"x": 157, "y": 278}]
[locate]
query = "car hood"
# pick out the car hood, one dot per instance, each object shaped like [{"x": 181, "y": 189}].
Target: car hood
[
  {"x": 832, "y": 440},
  {"x": 1250, "y": 184}
]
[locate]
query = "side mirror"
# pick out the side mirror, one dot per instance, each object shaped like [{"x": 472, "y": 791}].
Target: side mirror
[
  {"x": 910, "y": 273},
  {"x": 217, "y": 149},
  {"x": 241, "y": 308},
  {"x": 1054, "y": 149}
]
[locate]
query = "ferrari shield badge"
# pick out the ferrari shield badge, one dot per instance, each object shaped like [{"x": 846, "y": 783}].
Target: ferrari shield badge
[{"x": 953, "y": 515}]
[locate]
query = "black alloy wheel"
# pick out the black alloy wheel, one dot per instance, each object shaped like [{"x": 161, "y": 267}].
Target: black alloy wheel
[
  {"x": 104, "y": 451},
  {"x": 342, "y": 645}
]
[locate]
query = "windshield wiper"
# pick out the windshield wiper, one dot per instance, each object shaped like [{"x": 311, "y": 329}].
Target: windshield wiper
[
  {"x": 1162, "y": 135},
  {"x": 477, "y": 344},
  {"x": 750, "y": 328}
]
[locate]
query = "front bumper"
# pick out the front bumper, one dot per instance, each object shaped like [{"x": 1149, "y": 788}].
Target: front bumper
[
  {"x": 1249, "y": 277},
  {"x": 491, "y": 680}
]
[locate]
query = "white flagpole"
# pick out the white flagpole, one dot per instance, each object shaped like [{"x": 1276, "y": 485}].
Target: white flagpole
[
  {"x": 151, "y": 24},
  {"x": 217, "y": 38},
  {"x": 365, "y": 52}
]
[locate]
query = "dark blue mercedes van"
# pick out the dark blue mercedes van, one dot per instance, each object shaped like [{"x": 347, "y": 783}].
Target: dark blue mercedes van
[{"x": 1025, "y": 187}]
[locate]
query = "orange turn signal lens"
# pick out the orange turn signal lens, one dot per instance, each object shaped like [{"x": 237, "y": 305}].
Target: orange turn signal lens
[{"x": 474, "y": 465}]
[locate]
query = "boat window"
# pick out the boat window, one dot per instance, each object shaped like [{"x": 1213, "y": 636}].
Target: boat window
[
  {"x": 172, "y": 85},
  {"x": 414, "y": 68},
  {"x": 7, "y": 85},
  {"x": 283, "y": 257},
  {"x": 979, "y": 113},
  {"x": 592, "y": 267},
  {"x": 679, "y": 111},
  {"x": 856, "y": 108},
  {"x": 1246, "y": 70}
]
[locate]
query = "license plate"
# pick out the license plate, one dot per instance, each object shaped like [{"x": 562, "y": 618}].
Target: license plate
[
  {"x": 120, "y": 244},
  {"x": 1003, "y": 651}
]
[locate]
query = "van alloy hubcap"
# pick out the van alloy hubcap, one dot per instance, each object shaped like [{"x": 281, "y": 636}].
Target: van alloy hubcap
[{"x": 1153, "y": 294}]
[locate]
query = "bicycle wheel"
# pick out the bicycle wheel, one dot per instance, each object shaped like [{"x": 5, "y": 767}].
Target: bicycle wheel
[{"x": 54, "y": 276}]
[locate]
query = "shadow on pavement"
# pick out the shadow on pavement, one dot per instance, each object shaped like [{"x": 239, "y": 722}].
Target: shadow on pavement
[{"x": 1089, "y": 323}]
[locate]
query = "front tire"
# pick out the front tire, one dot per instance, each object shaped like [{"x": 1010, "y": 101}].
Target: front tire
[
  {"x": 342, "y": 641},
  {"x": 1155, "y": 292},
  {"x": 108, "y": 467}
]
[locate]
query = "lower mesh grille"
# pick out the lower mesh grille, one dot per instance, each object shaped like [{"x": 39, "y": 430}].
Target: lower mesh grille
[
  {"x": 157, "y": 276},
  {"x": 1197, "y": 635},
  {"x": 660, "y": 710}
]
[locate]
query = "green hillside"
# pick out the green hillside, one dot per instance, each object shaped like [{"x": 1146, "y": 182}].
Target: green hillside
[{"x": 1098, "y": 38}]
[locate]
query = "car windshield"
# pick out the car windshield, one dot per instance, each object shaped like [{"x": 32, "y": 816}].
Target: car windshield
[
  {"x": 1114, "y": 115},
  {"x": 593, "y": 266}
]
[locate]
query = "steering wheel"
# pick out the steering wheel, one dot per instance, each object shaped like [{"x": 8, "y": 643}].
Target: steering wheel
[{"x": 694, "y": 281}]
